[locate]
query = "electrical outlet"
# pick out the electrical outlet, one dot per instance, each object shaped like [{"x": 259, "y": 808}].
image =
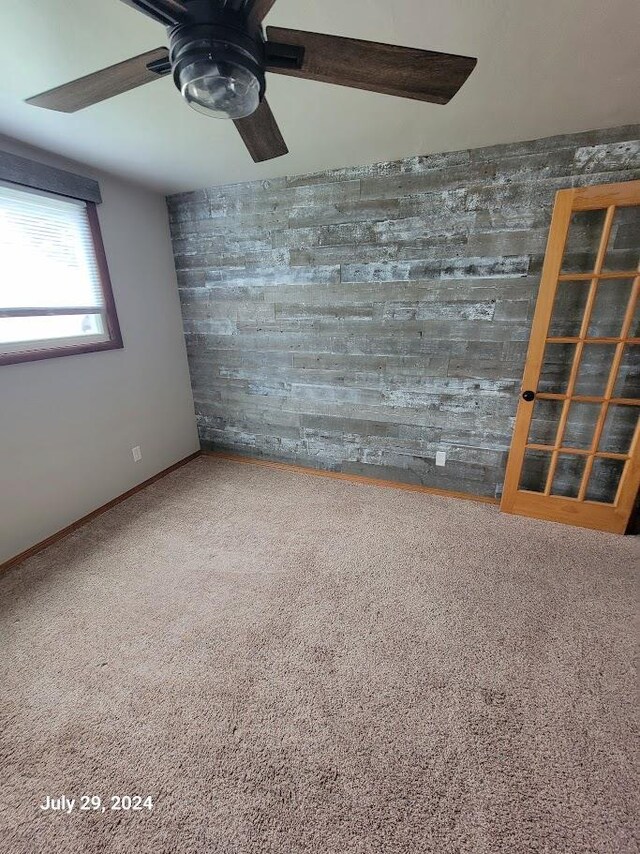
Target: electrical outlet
[
  {"x": 136, "y": 453},
  {"x": 441, "y": 458}
]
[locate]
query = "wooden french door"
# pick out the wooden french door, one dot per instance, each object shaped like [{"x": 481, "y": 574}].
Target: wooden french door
[{"x": 575, "y": 454}]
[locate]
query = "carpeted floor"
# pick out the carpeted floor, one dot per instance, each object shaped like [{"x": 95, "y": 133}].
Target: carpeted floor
[{"x": 289, "y": 664}]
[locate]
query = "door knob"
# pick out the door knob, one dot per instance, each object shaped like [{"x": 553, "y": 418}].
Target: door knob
[{"x": 528, "y": 396}]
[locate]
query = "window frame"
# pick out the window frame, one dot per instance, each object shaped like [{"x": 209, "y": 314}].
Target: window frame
[{"x": 114, "y": 342}]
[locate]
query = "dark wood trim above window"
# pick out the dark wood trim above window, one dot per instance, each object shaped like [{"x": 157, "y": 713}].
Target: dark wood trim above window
[{"x": 40, "y": 176}]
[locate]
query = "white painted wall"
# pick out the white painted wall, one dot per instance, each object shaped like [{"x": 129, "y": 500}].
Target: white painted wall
[{"x": 67, "y": 425}]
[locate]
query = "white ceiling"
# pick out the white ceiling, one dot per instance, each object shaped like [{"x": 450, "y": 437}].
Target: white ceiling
[{"x": 545, "y": 67}]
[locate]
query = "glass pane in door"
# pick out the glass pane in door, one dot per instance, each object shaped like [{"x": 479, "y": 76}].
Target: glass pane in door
[
  {"x": 583, "y": 241},
  {"x": 624, "y": 243},
  {"x": 612, "y": 299},
  {"x": 568, "y": 476},
  {"x": 556, "y": 368},
  {"x": 544, "y": 423},
  {"x": 604, "y": 480},
  {"x": 619, "y": 429},
  {"x": 534, "y": 471},
  {"x": 595, "y": 367},
  {"x": 568, "y": 309},
  {"x": 628, "y": 384},
  {"x": 581, "y": 424}
]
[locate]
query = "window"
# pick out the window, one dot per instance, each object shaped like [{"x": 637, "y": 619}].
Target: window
[{"x": 55, "y": 294}]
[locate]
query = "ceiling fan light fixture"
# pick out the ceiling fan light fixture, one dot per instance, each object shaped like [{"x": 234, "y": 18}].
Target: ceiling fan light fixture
[
  {"x": 218, "y": 61},
  {"x": 224, "y": 90}
]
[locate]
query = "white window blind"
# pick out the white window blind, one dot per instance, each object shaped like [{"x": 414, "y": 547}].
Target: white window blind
[{"x": 51, "y": 293}]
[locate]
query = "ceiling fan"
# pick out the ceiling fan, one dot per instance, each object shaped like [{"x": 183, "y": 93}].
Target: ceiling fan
[{"x": 218, "y": 55}]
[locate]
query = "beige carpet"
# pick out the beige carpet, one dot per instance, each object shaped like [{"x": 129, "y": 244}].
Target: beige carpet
[{"x": 290, "y": 664}]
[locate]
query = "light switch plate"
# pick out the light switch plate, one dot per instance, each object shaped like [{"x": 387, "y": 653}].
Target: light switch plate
[
  {"x": 136, "y": 453},
  {"x": 441, "y": 458}
]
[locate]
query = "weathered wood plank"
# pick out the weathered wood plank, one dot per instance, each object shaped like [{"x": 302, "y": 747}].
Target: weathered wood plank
[
  {"x": 608, "y": 157},
  {"x": 449, "y": 268}
]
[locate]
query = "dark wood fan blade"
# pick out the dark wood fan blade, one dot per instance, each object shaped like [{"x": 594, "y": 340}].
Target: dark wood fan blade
[
  {"x": 166, "y": 12},
  {"x": 423, "y": 75},
  {"x": 261, "y": 134},
  {"x": 260, "y": 9},
  {"x": 101, "y": 85}
]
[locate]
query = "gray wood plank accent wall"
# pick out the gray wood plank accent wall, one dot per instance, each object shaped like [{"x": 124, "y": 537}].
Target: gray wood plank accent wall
[{"x": 361, "y": 319}]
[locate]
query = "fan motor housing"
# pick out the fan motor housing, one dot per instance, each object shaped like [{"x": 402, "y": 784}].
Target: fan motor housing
[{"x": 218, "y": 34}]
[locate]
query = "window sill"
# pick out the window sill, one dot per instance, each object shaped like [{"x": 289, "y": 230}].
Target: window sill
[{"x": 59, "y": 352}]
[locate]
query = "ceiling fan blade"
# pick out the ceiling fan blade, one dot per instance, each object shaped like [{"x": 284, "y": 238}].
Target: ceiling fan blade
[
  {"x": 104, "y": 84},
  {"x": 261, "y": 134},
  {"x": 260, "y": 9},
  {"x": 406, "y": 72},
  {"x": 166, "y": 12}
]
